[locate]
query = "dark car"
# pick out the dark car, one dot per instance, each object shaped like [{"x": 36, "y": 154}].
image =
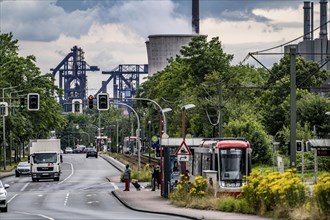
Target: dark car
[
  {"x": 91, "y": 153},
  {"x": 23, "y": 168}
]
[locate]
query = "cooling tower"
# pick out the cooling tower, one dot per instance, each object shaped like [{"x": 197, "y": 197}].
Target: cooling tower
[{"x": 162, "y": 47}]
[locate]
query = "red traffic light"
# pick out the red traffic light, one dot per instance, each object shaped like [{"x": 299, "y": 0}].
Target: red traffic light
[{"x": 90, "y": 97}]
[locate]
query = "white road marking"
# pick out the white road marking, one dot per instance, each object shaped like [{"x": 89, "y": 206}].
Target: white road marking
[
  {"x": 66, "y": 199},
  {"x": 68, "y": 176},
  {"x": 12, "y": 198},
  {"x": 115, "y": 186},
  {"x": 40, "y": 215},
  {"x": 23, "y": 188}
]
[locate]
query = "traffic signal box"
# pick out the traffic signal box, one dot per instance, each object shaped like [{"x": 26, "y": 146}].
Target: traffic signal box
[
  {"x": 33, "y": 102},
  {"x": 103, "y": 101},
  {"x": 90, "y": 101},
  {"x": 3, "y": 109},
  {"x": 299, "y": 145},
  {"x": 22, "y": 103}
]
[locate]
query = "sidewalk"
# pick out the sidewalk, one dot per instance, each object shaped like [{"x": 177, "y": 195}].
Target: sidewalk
[{"x": 152, "y": 202}]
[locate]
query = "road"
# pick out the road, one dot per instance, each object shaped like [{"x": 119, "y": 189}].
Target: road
[{"x": 83, "y": 193}]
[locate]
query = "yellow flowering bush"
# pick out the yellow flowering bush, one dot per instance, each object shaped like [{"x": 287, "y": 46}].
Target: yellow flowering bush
[
  {"x": 185, "y": 189},
  {"x": 322, "y": 193},
  {"x": 198, "y": 187},
  {"x": 274, "y": 190}
]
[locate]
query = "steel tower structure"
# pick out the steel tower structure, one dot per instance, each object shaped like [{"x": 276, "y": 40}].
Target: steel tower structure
[
  {"x": 126, "y": 80},
  {"x": 72, "y": 77}
]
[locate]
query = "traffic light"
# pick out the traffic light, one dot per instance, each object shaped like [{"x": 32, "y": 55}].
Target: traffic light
[
  {"x": 77, "y": 106},
  {"x": 90, "y": 101},
  {"x": 33, "y": 102},
  {"x": 3, "y": 109},
  {"x": 299, "y": 145},
  {"x": 103, "y": 101},
  {"x": 22, "y": 103}
]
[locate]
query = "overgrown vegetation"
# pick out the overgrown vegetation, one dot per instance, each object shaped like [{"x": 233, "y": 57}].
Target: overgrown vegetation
[{"x": 271, "y": 194}]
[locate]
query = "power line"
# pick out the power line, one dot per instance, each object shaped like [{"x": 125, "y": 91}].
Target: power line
[{"x": 281, "y": 45}]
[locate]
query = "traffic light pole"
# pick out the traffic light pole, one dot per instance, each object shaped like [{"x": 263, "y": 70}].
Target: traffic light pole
[
  {"x": 293, "y": 107},
  {"x": 4, "y": 128}
]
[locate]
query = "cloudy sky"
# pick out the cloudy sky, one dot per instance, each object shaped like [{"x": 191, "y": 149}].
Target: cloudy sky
[{"x": 113, "y": 32}]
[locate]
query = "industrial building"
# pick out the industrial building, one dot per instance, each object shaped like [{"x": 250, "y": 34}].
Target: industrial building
[
  {"x": 314, "y": 49},
  {"x": 162, "y": 47}
]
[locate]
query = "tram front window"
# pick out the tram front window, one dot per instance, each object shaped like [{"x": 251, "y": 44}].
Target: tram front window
[{"x": 231, "y": 167}]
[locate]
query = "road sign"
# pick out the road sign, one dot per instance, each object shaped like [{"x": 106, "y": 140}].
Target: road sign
[
  {"x": 154, "y": 138},
  {"x": 183, "y": 149},
  {"x": 183, "y": 157}
]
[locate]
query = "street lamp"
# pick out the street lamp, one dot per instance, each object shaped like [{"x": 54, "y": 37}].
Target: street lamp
[
  {"x": 162, "y": 113},
  {"x": 160, "y": 108},
  {"x": 138, "y": 143},
  {"x": 184, "y": 108}
]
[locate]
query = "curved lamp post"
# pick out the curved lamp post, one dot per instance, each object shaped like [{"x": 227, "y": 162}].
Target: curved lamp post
[
  {"x": 138, "y": 143},
  {"x": 162, "y": 111}
]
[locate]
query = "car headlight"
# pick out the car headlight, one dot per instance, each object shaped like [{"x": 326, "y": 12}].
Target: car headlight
[{"x": 2, "y": 193}]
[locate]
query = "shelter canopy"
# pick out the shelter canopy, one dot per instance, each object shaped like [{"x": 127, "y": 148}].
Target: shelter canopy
[{"x": 319, "y": 143}]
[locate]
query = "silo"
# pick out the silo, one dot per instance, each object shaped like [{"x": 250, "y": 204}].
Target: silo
[{"x": 162, "y": 47}]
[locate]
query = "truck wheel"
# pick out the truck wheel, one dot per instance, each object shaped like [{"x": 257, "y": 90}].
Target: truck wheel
[
  {"x": 33, "y": 179},
  {"x": 5, "y": 209}
]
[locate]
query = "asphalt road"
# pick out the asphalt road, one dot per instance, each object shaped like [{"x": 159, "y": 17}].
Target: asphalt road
[{"x": 83, "y": 193}]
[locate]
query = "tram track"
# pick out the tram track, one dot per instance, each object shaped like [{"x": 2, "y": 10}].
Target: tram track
[{"x": 144, "y": 160}]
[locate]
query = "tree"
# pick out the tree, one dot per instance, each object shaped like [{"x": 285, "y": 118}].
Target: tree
[{"x": 22, "y": 74}]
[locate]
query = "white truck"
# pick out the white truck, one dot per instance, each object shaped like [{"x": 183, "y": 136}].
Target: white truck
[{"x": 45, "y": 159}]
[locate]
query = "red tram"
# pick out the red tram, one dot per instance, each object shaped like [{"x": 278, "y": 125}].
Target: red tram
[{"x": 230, "y": 157}]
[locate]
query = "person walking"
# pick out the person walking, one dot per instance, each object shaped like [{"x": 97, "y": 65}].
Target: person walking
[
  {"x": 127, "y": 177},
  {"x": 155, "y": 178}
]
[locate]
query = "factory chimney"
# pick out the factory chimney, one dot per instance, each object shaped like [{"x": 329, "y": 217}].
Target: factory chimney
[
  {"x": 323, "y": 19},
  {"x": 195, "y": 16},
  {"x": 312, "y": 20},
  {"x": 307, "y": 21}
]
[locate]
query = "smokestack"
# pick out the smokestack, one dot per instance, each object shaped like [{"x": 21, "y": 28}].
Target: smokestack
[
  {"x": 307, "y": 20},
  {"x": 195, "y": 16},
  {"x": 312, "y": 20},
  {"x": 323, "y": 19}
]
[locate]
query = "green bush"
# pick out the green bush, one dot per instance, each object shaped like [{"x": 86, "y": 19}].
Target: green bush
[
  {"x": 226, "y": 204},
  {"x": 322, "y": 194}
]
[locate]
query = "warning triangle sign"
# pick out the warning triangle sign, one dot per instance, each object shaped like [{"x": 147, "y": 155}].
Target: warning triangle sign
[{"x": 183, "y": 149}]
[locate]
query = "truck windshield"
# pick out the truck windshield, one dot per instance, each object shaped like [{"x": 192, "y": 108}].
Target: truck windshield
[{"x": 45, "y": 158}]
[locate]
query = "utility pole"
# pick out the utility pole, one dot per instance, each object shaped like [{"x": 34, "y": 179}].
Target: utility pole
[
  {"x": 293, "y": 113},
  {"x": 220, "y": 108}
]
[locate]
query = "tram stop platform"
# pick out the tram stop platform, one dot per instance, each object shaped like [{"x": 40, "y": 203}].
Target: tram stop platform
[{"x": 149, "y": 201}]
